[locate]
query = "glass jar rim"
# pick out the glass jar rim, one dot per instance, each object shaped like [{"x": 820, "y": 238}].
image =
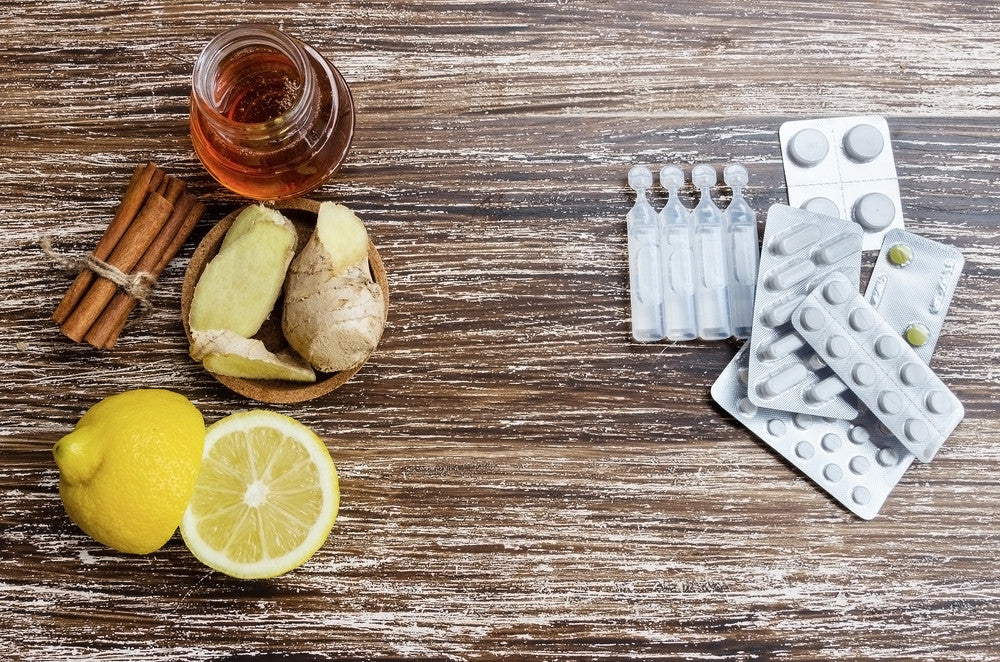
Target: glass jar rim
[{"x": 234, "y": 39}]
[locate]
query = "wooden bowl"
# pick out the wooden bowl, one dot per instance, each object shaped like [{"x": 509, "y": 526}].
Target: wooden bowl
[{"x": 302, "y": 213}]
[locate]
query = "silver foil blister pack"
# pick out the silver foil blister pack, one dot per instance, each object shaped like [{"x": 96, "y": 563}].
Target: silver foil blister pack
[
  {"x": 912, "y": 285},
  {"x": 853, "y": 461},
  {"x": 844, "y": 167},
  {"x": 882, "y": 370},
  {"x": 799, "y": 249}
]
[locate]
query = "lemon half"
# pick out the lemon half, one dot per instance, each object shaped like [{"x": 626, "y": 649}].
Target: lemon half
[{"x": 265, "y": 499}]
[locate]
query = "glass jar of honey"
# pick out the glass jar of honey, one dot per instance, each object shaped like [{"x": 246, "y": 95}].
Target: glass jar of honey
[{"x": 270, "y": 117}]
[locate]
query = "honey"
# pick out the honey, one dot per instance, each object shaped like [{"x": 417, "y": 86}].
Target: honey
[{"x": 270, "y": 117}]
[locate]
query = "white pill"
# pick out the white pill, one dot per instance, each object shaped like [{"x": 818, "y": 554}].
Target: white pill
[
  {"x": 743, "y": 374},
  {"x": 858, "y": 465},
  {"x": 780, "y": 312},
  {"x": 835, "y": 251},
  {"x": 803, "y": 421},
  {"x": 888, "y": 347},
  {"x": 874, "y": 211},
  {"x": 833, "y": 473},
  {"x": 890, "y": 402},
  {"x": 789, "y": 274},
  {"x": 859, "y": 434},
  {"x": 804, "y": 450},
  {"x": 915, "y": 430},
  {"x": 820, "y": 205},
  {"x": 830, "y": 442},
  {"x": 812, "y": 318},
  {"x": 808, "y": 147},
  {"x": 838, "y": 347},
  {"x": 912, "y": 374},
  {"x": 938, "y": 402},
  {"x": 781, "y": 347},
  {"x": 863, "y": 143},
  {"x": 887, "y": 457},
  {"x": 861, "y": 319},
  {"x": 825, "y": 390},
  {"x": 776, "y": 427},
  {"x": 747, "y": 407},
  {"x": 797, "y": 238},
  {"x": 784, "y": 380},
  {"x": 837, "y": 292},
  {"x": 861, "y": 495},
  {"x": 864, "y": 374}
]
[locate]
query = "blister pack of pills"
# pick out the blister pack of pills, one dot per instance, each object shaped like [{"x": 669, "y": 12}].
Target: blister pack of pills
[
  {"x": 853, "y": 461},
  {"x": 884, "y": 372},
  {"x": 912, "y": 285},
  {"x": 800, "y": 249},
  {"x": 844, "y": 167},
  {"x": 692, "y": 272}
]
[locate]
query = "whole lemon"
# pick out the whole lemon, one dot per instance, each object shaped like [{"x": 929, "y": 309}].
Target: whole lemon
[{"x": 127, "y": 471}]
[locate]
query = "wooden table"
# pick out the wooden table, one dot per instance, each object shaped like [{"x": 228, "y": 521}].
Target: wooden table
[{"x": 520, "y": 479}]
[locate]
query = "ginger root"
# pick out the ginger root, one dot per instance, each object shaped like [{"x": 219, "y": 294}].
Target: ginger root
[
  {"x": 241, "y": 284},
  {"x": 222, "y": 352},
  {"x": 334, "y": 313}
]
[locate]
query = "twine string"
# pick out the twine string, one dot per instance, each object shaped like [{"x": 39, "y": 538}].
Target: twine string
[{"x": 138, "y": 285}]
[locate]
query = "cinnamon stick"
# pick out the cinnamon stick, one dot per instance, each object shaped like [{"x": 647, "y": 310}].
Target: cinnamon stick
[
  {"x": 106, "y": 329},
  {"x": 129, "y": 249},
  {"x": 143, "y": 178}
]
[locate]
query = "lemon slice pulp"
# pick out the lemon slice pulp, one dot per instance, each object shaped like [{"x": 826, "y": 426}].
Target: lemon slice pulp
[{"x": 265, "y": 499}]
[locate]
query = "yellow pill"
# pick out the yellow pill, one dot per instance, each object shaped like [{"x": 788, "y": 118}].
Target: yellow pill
[
  {"x": 900, "y": 255},
  {"x": 917, "y": 334}
]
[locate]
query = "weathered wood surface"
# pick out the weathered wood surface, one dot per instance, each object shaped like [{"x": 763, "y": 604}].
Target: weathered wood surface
[{"x": 519, "y": 479}]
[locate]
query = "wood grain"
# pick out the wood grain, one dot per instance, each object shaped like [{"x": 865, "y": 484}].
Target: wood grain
[{"x": 519, "y": 479}]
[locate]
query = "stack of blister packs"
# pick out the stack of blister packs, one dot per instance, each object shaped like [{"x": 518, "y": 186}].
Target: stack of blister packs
[{"x": 837, "y": 383}]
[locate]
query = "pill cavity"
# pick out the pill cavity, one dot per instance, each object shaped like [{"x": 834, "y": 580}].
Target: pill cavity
[
  {"x": 781, "y": 347},
  {"x": 917, "y": 334},
  {"x": 833, "y": 473},
  {"x": 899, "y": 255},
  {"x": 780, "y": 312},
  {"x": 861, "y": 319},
  {"x": 912, "y": 374},
  {"x": 858, "y": 465},
  {"x": 889, "y": 402},
  {"x": 836, "y": 250},
  {"x": 782, "y": 381},
  {"x": 838, "y": 347},
  {"x": 776, "y": 427},
  {"x": 789, "y": 274},
  {"x": 938, "y": 402},
  {"x": 888, "y": 347},
  {"x": 837, "y": 292},
  {"x": 812, "y": 318},
  {"x": 887, "y": 457},
  {"x": 859, "y": 434},
  {"x": 864, "y": 374},
  {"x": 820, "y": 205},
  {"x": 861, "y": 495},
  {"x": 743, "y": 374},
  {"x": 915, "y": 430},
  {"x": 825, "y": 390},
  {"x": 803, "y": 421},
  {"x": 746, "y": 407},
  {"x": 796, "y": 239},
  {"x": 808, "y": 147},
  {"x": 874, "y": 211},
  {"x": 804, "y": 450},
  {"x": 830, "y": 443},
  {"x": 863, "y": 143}
]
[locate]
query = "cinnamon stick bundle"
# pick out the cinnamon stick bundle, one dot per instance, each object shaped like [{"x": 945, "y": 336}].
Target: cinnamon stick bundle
[{"x": 154, "y": 219}]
